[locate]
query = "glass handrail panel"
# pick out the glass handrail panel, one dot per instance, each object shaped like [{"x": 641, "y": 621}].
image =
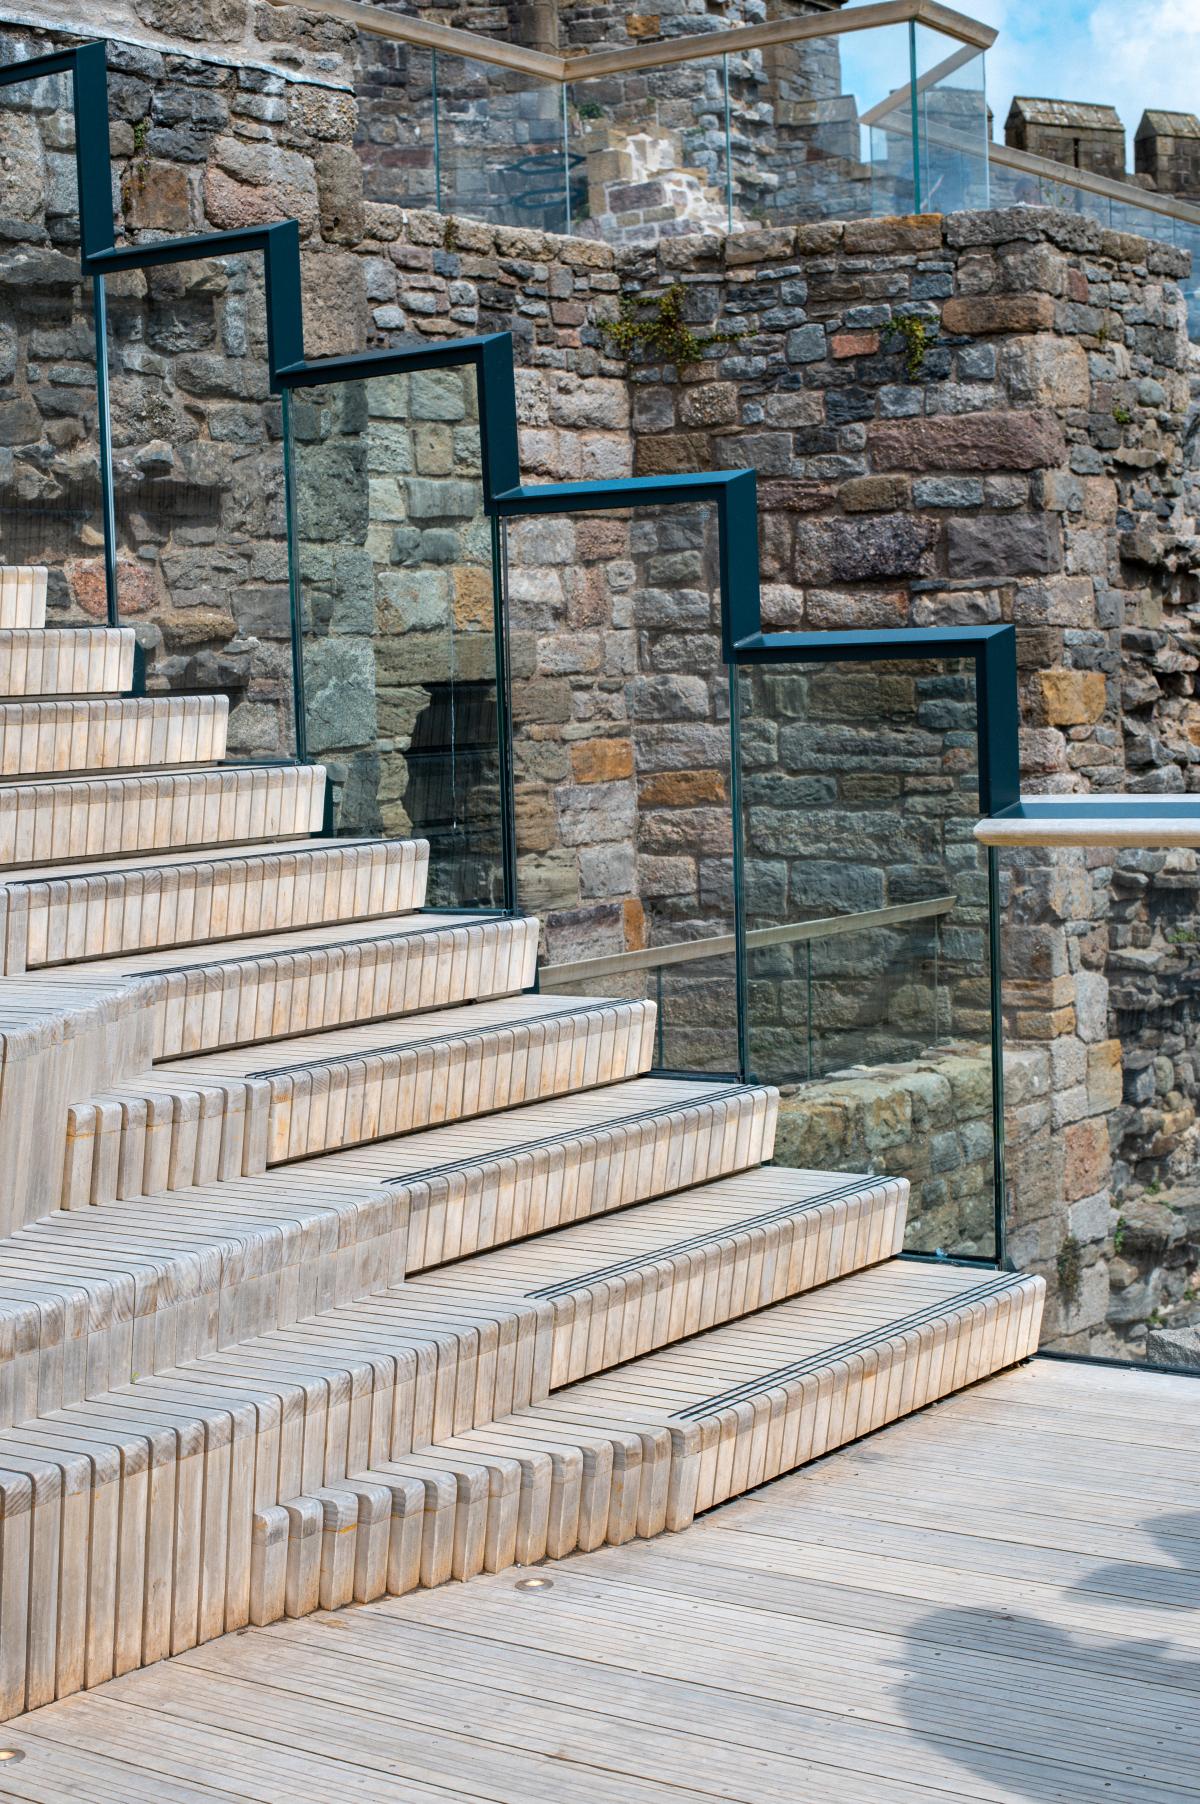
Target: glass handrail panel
[
  {"x": 952, "y": 123},
  {"x": 396, "y": 135},
  {"x": 50, "y": 490},
  {"x": 647, "y": 152},
  {"x": 1187, "y": 236},
  {"x": 1103, "y": 1168},
  {"x": 401, "y": 698},
  {"x": 868, "y": 930},
  {"x": 622, "y": 767},
  {"x": 198, "y": 478},
  {"x": 500, "y": 151},
  {"x": 799, "y": 148}
]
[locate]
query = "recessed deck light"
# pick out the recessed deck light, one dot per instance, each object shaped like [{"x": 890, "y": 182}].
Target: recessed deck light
[
  {"x": 534, "y": 1584},
  {"x": 12, "y": 1753}
]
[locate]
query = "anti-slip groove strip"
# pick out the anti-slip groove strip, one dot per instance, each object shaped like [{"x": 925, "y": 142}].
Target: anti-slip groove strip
[
  {"x": 427, "y": 932},
  {"x": 748, "y": 1223},
  {"x": 466, "y": 1033},
  {"x": 167, "y": 774},
  {"x": 276, "y": 848},
  {"x": 861, "y": 1343},
  {"x": 576, "y": 1135}
]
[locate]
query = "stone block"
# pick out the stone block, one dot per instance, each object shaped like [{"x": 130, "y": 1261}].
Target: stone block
[
  {"x": 1104, "y": 1075},
  {"x": 806, "y": 344},
  {"x": 709, "y": 404},
  {"x": 1020, "y": 440},
  {"x": 1091, "y": 1006},
  {"x": 1086, "y": 1161},
  {"x": 1070, "y": 698},
  {"x": 1047, "y": 371},
  {"x": 335, "y": 302},
  {"x": 1003, "y": 546},
  {"x": 873, "y": 494},
  {"x": 984, "y": 315},
  {"x": 157, "y": 196},
  {"x": 869, "y": 549},
  {"x": 1178, "y": 1348},
  {"x": 590, "y": 813},
  {"x": 914, "y": 234},
  {"x": 854, "y": 344},
  {"x": 601, "y": 760},
  {"x": 946, "y": 491}
]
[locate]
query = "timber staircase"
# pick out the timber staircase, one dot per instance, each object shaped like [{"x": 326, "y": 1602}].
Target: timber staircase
[{"x": 366, "y": 1267}]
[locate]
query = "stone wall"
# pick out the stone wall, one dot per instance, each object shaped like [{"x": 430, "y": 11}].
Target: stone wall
[
  {"x": 1014, "y": 452},
  {"x": 975, "y": 418}
]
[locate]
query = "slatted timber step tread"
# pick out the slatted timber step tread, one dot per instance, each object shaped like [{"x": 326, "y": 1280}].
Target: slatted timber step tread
[
  {"x": 23, "y": 595},
  {"x": 622, "y": 1285},
  {"x": 272, "y": 985},
  {"x": 345, "y": 1421},
  {"x": 97, "y": 816},
  {"x": 46, "y": 737},
  {"x": 709, "y": 1418},
  {"x": 642, "y": 1449},
  {"x": 90, "y": 1298},
  {"x": 68, "y": 913},
  {"x": 66, "y": 660},
  {"x": 243, "y": 1109}
]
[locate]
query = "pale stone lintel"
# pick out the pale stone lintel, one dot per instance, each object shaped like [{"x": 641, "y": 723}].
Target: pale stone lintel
[{"x": 51, "y": 17}]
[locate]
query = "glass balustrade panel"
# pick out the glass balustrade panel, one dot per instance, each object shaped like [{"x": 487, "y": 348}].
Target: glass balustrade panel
[
  {"x": 396, "y": 136},
  {"x": 400, "y": 693},
  {"x": 1104, "y": 1117},
  {"x": 648, "y": 152},
  {"x": 50, "y": 496},
  {"x": 952, "y": 123},
  {"x": 622, "y": 766},
  {"x": 500, "y": 151},
  {"x": 867, "y": 926},
  {"x": 198, "y": 480}
]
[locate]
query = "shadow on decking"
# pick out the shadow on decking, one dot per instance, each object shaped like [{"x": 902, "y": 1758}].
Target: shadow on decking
[{"x": 1021, "y": 1751}]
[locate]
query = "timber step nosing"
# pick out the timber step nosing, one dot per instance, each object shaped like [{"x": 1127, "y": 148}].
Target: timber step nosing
[
  {"x": 402, "y": 1048},
  {"x": 432, "y": 928},
  {"x": 745, "y": 1226},
  {"x": 893, "y": 1329},
  {"x": 432, "y": 1173}
]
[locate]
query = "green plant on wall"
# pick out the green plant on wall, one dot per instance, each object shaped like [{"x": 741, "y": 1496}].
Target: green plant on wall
[
  {"x": 917, "y": 335},
  {"x": 655, "y": 328}
]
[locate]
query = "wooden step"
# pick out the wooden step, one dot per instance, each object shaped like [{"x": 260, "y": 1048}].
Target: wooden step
[
  {"x": 111, "y": 815},
  {"x": 90, "y": 1298},
  {"x": 622, "y": 1285},
  {"x": 72, "y": 912},
  {"x": 66, "y": 660},
  {"x": 130, "y": 734},
  {"x": 644, "y": 1448},
  {"x": 710, "y": 1418},
  {"x": 23, "y": 595},
  {"x": 365, "y": 1422},
  {"x": 240, "y": 1111},
  {"x": 280, "y": 984}
]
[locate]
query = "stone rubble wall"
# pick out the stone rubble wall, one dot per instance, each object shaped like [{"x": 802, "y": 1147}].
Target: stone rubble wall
[{"x": 1030, "y": 465}]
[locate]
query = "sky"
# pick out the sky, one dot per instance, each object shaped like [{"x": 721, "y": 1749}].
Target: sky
[{"x": 1131, "y": 53}]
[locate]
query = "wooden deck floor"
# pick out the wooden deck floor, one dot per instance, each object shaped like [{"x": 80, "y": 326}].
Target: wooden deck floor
[{"x": 998, "y": 1599}]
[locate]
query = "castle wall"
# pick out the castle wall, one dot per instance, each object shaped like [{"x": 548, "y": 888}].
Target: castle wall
[{"x": 1029, "y": 465}]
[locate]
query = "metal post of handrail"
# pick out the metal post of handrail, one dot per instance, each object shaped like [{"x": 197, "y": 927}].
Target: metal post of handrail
[
  {"x": 915, "y": 114},
  {"x": 108, "y": 503}
]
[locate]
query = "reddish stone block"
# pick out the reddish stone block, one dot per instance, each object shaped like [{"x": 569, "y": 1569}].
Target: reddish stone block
[
  {"x": 985, "y": 314},
  {"x": 1022, "y": 440},
  {"x": 854, "y": 344}
]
